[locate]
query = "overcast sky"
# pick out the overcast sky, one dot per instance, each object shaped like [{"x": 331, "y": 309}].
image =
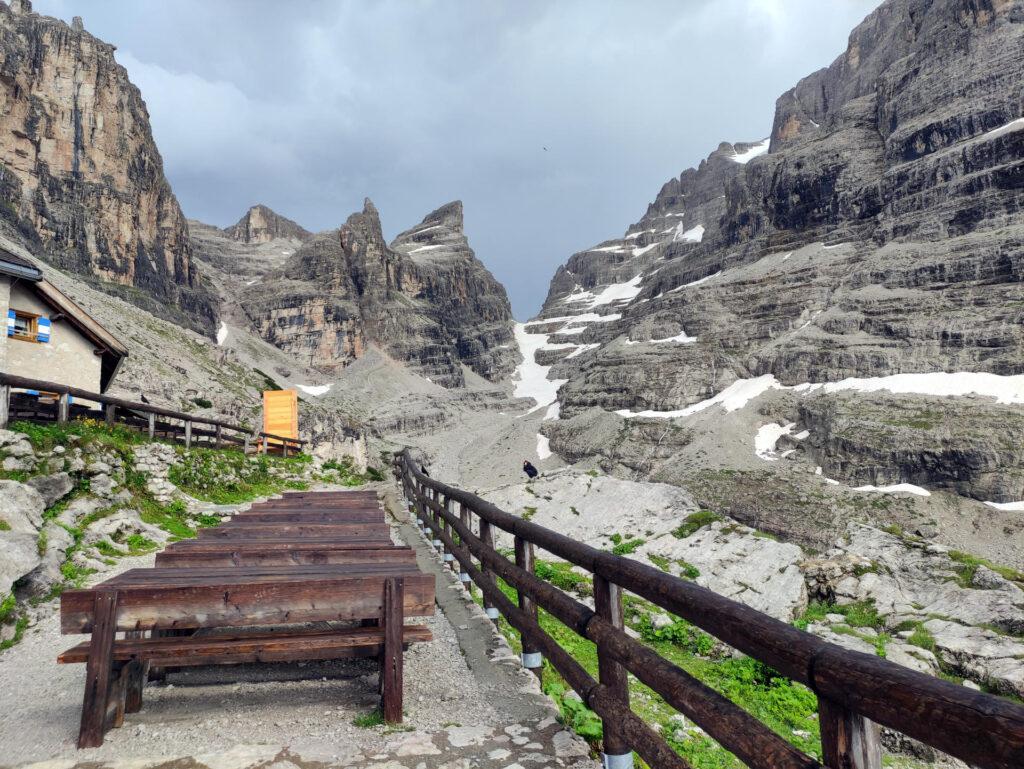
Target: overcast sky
[{"x": 311, "y": 106}]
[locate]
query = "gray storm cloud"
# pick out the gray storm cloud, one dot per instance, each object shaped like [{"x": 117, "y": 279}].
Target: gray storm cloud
[{"x": 309, "y": 107}]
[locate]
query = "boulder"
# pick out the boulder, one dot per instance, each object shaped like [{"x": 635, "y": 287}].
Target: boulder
[
  {"x": 21, "y": 507},
  {"x": 102, "y": 485},
  {"x": 47, "y": 574},
  {"x": 911, "y": 580},
  {"x": 79, "y": 508},
  {"x": 981, "y": 654},
  {"x": 53, "y": 488},
  {"x": 19, "y": 554},
  {"x": 738, "y": 562},
  {"x": 120, "y": 525}
]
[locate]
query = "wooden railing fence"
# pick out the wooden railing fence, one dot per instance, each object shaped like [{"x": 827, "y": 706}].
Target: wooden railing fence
[
  {"x": 856, "y": 692},
  {"x": 143, "y": 416}
]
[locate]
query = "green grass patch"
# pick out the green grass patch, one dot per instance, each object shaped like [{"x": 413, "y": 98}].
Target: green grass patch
[
  {"x": 787, "y": 708},
  {"x": 230, "y": 477},
  {"x": 860, "y": 614},
  {"x": 561, "y": 575},
  {"x": 528, "y": 513},
  {"x": 4, "y": 525},
  {"x": 45, "y": 437},
  {"x": 369, "y": 720},
  {"x": 693, "y": 522},
  {"x": 660, "y": 561},
  {"x": 968, "y": 564}
]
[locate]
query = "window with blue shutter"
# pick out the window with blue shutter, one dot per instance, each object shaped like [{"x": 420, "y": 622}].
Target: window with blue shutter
[{"x": 28, "y": 326}]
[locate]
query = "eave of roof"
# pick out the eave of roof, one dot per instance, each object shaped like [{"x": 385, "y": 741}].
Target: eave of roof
[{"x": 16, "y": 267}]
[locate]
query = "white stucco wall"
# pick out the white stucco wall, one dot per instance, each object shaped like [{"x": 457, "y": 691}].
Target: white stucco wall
[
  {"x": 5, "y": 293},
  {"x": 68, "y": 358}
]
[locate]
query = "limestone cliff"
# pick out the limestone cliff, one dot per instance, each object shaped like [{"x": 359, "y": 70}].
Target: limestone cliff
[
  {"x": 81, "y": 173},
  {"x": 425, "y": 299},
  {"x": 880, "y": 232}
]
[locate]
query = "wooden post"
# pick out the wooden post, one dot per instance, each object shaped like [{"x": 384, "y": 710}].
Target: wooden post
[
  {"x": 848, "y": 740},
  {"x": 188, "y": 433},
  {"x": 63, "y": 407},
  {"x": 449, "y": 557},
  {"x": 284, "y": 449},
  {"x": 465, "y": 518},
  {"x": 111, "y": 412},
  {"x": 245, "y": 444},
  {"x": 216, "y": 437},
  {"x": 435, "y": 497},
  {"x": 135, "y": 674},
  {"x": 264, "y": 445},
  {"x": 151, "y": 419},
  {"x": 608, "y": 605},
  {"x": 99, "y": 669},
  {"x": 487, "y": 535},
  {"x": 531, "y": 655},
  {"x": 5, "y": 405},
  {"x": 391, "y": 666}
]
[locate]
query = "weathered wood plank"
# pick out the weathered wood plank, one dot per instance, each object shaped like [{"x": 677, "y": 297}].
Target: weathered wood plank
[
  {"x": 392, "y": 618},
  {"x": 246, "y": 648},
  {"x": 229, "y": 604},
  {"x": 233, "y": 557},
  {"x": 99, "y": 670}
]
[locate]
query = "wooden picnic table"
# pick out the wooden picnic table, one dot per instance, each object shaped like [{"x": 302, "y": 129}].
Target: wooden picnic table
[{"x": 297, "y": 567}]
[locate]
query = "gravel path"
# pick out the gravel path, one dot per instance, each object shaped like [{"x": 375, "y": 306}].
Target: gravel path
[{"x": 467, "y": 702}]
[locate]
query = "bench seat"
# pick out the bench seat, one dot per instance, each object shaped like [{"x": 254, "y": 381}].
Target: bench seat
[{"x": 237, "y": 648}]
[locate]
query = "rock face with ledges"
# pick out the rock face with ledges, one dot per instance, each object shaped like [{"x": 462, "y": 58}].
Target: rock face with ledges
[
  {"x": 82, "y": 177},
  {"x": 425, "y": 299},
  {"x": 881, "y": 233}
]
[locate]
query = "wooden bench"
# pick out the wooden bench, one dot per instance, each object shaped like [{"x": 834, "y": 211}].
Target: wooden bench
[{"x": 163, "y": 600}]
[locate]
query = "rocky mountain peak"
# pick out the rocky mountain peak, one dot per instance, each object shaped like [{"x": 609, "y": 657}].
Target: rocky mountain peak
[
  {"x": 425, "y": 299},
  {"x": 260, "y": 224},
  {"x": 448, "y": 216}
]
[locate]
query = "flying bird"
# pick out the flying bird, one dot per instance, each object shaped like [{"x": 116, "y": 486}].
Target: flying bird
[{"x": 544, "y": 148}]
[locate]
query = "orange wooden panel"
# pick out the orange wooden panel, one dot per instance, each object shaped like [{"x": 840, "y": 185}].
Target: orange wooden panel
[{"x": 281, "y": 413}]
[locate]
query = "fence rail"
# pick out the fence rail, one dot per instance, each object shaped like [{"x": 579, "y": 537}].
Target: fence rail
[
  {"x": 856, "y": 692},
  {"x": 140, "y": 415}
]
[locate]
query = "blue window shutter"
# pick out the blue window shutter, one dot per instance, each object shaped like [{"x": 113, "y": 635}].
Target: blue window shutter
[
  {"x": 10, "y": 322},
  {"x": 43, "y": 330}
]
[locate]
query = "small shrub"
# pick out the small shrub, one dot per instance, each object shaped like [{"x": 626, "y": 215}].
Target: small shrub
[
  {"x": 693, "y": 522},
  {"x": 528, "y": 513},
  {"x": 625, "y": 548},
  {"x": 687, "y": 569},
  {"x": 203, "y": 403},
  {"x": 4, "y": 525}
]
